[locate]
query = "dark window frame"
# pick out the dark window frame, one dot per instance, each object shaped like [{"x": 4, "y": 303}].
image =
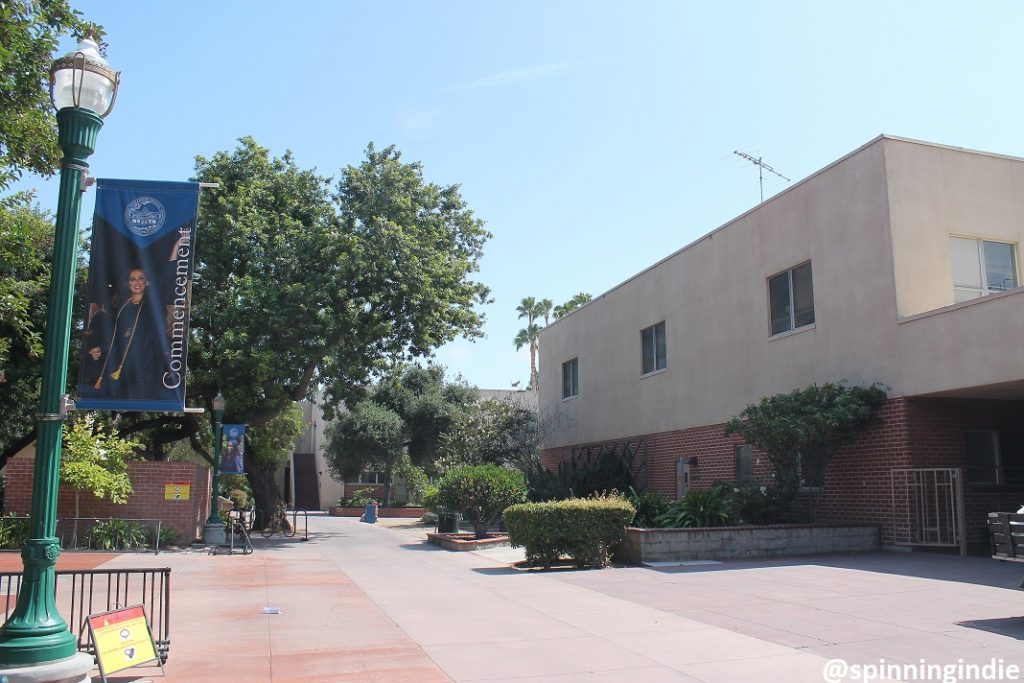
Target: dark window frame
[
  {"x": 1005, "y": 468},
  {"x": 658, "y": 353},
  {"x": 573, "y": 367},
  {"x": 791, "y": 313}
]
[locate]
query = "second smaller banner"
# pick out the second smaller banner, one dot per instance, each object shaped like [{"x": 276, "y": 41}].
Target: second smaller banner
[{"x": 233, "y": 461}]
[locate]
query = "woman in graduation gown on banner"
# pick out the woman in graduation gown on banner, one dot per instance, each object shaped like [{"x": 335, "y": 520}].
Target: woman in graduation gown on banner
[{"x": 134, "y": 356}]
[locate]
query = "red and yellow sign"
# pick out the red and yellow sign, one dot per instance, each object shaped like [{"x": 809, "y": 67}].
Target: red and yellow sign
[
  {"x": 177, "y": 490},
  {"x": 122, "y": 639}
]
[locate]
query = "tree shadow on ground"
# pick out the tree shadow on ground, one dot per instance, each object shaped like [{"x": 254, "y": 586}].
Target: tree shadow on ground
[{"x": 982, "y": 571}]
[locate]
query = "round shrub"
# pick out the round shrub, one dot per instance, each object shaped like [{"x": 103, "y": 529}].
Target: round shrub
[
  {"x": 584, "y": 529},
  {"x": 481, "y": 493}
]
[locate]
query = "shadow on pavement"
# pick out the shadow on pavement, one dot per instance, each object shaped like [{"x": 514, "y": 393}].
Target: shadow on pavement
[
  {"x": 982, "y": 571},
  {"x": 1010, "y": 626}
]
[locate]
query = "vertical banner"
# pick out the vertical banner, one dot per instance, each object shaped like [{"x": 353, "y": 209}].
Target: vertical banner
[
  {"x": 233, "y": 461},
  {"x": 135, "y": 339}
]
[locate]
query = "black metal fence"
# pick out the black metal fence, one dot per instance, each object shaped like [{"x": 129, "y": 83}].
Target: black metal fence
[{"x": 80, "y": 593}]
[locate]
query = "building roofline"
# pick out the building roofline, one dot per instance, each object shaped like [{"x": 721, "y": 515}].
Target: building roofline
[{"x": 880, "y": 138}]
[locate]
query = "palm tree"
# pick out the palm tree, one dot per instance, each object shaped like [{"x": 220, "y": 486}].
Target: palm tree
[
  {"x": 572, "y": 304},
  {"x": 531, "y": 309},
  {"x": 528, "y": 335}
]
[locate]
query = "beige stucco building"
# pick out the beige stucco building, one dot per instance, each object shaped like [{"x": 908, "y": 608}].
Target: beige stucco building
[{"x": 898, "y": 263}]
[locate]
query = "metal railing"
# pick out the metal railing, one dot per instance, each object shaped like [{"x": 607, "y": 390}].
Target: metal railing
[{"x": 80, "y": 593}]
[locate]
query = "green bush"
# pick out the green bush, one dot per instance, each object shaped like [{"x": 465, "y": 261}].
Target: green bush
[
  {"x": 481, "y": 493},
  {"x": 358, "y": 499},
  {"x": 755, "y": 503},
  {"x": 608, "y": 473},
  {"x": 239, "y": 498},
  {"x": 699, "y": 507},
  {"x": 430, "y": 497},
  {"x": 584, "y": 529},
  {"x": 117, "y": 534},
  {"x": 14, "y": 531},
  {"x": 168, "y": 536},
  {"x": 649, "y": 506}
]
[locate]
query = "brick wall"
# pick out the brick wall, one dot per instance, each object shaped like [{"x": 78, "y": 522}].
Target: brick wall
[
  {"x": 858, "y": 481},
  {"x": 146, "y": 502}
]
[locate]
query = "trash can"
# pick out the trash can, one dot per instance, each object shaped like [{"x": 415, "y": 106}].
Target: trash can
[
  {"x": 370, "y": 513},
  {"x": 448, "y": 522}
]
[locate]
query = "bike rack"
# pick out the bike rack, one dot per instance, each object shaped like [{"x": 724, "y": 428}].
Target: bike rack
[{"x": 295, "y": 523}]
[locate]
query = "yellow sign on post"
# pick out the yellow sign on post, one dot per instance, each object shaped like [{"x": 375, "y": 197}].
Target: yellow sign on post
[
  {"x": 177, "y": 490},
  {"x": 122, "y": 639}
]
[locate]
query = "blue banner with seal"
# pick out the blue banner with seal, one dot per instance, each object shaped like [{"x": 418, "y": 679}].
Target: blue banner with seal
[
  {"x": 233, "y": 461},
  {"x": 135, "y": 327}
]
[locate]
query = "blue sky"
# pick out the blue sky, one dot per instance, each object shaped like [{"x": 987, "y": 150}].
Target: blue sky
[{"x": 594, "y": 138}]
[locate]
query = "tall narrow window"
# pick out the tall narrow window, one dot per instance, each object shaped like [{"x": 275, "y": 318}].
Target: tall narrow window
[
  {"x": 981, "y": 267},
  {"x": 652, "y": 342},
  {"x": 791, "y": 299},
  {"x": 744, "y": 463},
  {"x": 570, "y": 378}
]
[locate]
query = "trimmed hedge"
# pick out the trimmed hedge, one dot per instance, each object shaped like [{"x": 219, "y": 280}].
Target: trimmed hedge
[{"x": 585, "y": 529}]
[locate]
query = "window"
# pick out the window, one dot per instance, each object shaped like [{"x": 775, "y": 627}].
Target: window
[
  {"x": 744, "y": 463},
  {"x": 791, "y": 299},
  {"x": 652, "y": 341},
  {"x": 981, "y": 267},
  {"x": 571, "y": 378},
  {"x": 370, "y": 478},
  {"x": 995, "y": 458}
]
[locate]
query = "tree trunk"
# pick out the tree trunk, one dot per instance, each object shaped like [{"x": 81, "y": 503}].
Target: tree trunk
[
  {"x": 534, "y": 375},
  {"x": 388, "y": 474},
  {"x": 266, "y": 494}
]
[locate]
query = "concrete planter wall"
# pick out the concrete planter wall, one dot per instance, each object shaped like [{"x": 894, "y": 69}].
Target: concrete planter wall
[{"x": 744, "y": 542}]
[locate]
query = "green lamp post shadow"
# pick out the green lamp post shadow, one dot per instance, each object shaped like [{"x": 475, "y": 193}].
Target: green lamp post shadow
[
  {"x": 213, "y": 531},
  {"x": 83, "y": 88}
]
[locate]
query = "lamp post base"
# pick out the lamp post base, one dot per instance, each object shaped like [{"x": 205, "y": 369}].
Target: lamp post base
[
  {"x": 213, "y": 534},
  {"x": 74, "y": 669}
]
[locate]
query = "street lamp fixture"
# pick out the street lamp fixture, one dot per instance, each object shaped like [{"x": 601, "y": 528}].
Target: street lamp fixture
[
  {"x": 83, "y": 88},
  {"x": 213, "y": 531}
]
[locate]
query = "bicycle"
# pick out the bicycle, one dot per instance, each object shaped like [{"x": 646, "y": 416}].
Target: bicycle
[{"x": 278, "y": 523}]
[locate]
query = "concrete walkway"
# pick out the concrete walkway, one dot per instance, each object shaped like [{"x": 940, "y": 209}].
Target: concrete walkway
[{"x": 375, "y": 603}]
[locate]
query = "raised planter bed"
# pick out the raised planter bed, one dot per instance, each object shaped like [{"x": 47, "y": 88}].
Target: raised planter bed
[
  {"x": 403, "y": 513},
  {"x": 467, "y": 541},
  {"x": 744, "y": 542}
]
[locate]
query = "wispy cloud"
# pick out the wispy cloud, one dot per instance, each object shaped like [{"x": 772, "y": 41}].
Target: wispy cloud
[
  {"x": 523, "y": 75},
  {"x": 418, "y": 120}
]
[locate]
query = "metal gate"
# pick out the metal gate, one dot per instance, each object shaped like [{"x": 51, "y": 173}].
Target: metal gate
[{"x": 928, "y": 507}]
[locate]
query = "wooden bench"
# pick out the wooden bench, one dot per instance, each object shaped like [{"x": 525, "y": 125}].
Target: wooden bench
[{"x": 1006, "y": 529}]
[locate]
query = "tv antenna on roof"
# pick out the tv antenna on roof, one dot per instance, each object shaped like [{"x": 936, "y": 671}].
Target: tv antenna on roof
[{"x": 761, "y": 168}]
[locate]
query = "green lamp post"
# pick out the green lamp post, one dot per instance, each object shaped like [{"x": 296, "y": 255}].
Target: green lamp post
[
  {"x": 213, "y": 531},
  {"x": 83, "y": 88}
]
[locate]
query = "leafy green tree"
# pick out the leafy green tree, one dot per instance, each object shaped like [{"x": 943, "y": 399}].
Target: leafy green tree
[
  {"x": 802, "y": 430},
  {"x": 400, "y": 424},
  {"x": 499, "y": 432},
  {"x": 370, "y": 437},
  {"x": 26, "y": 252},
  {"x": 30, "y": 31},
  {"x": 26, "y": 246},
  {"x": 297, "y": 286},
  {"x": 481, "y": 493},
  {"x": 94, "y": 461}
]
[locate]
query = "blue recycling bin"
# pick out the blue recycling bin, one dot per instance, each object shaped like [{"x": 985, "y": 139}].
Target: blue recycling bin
[{"x": 370, "y": 513}]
